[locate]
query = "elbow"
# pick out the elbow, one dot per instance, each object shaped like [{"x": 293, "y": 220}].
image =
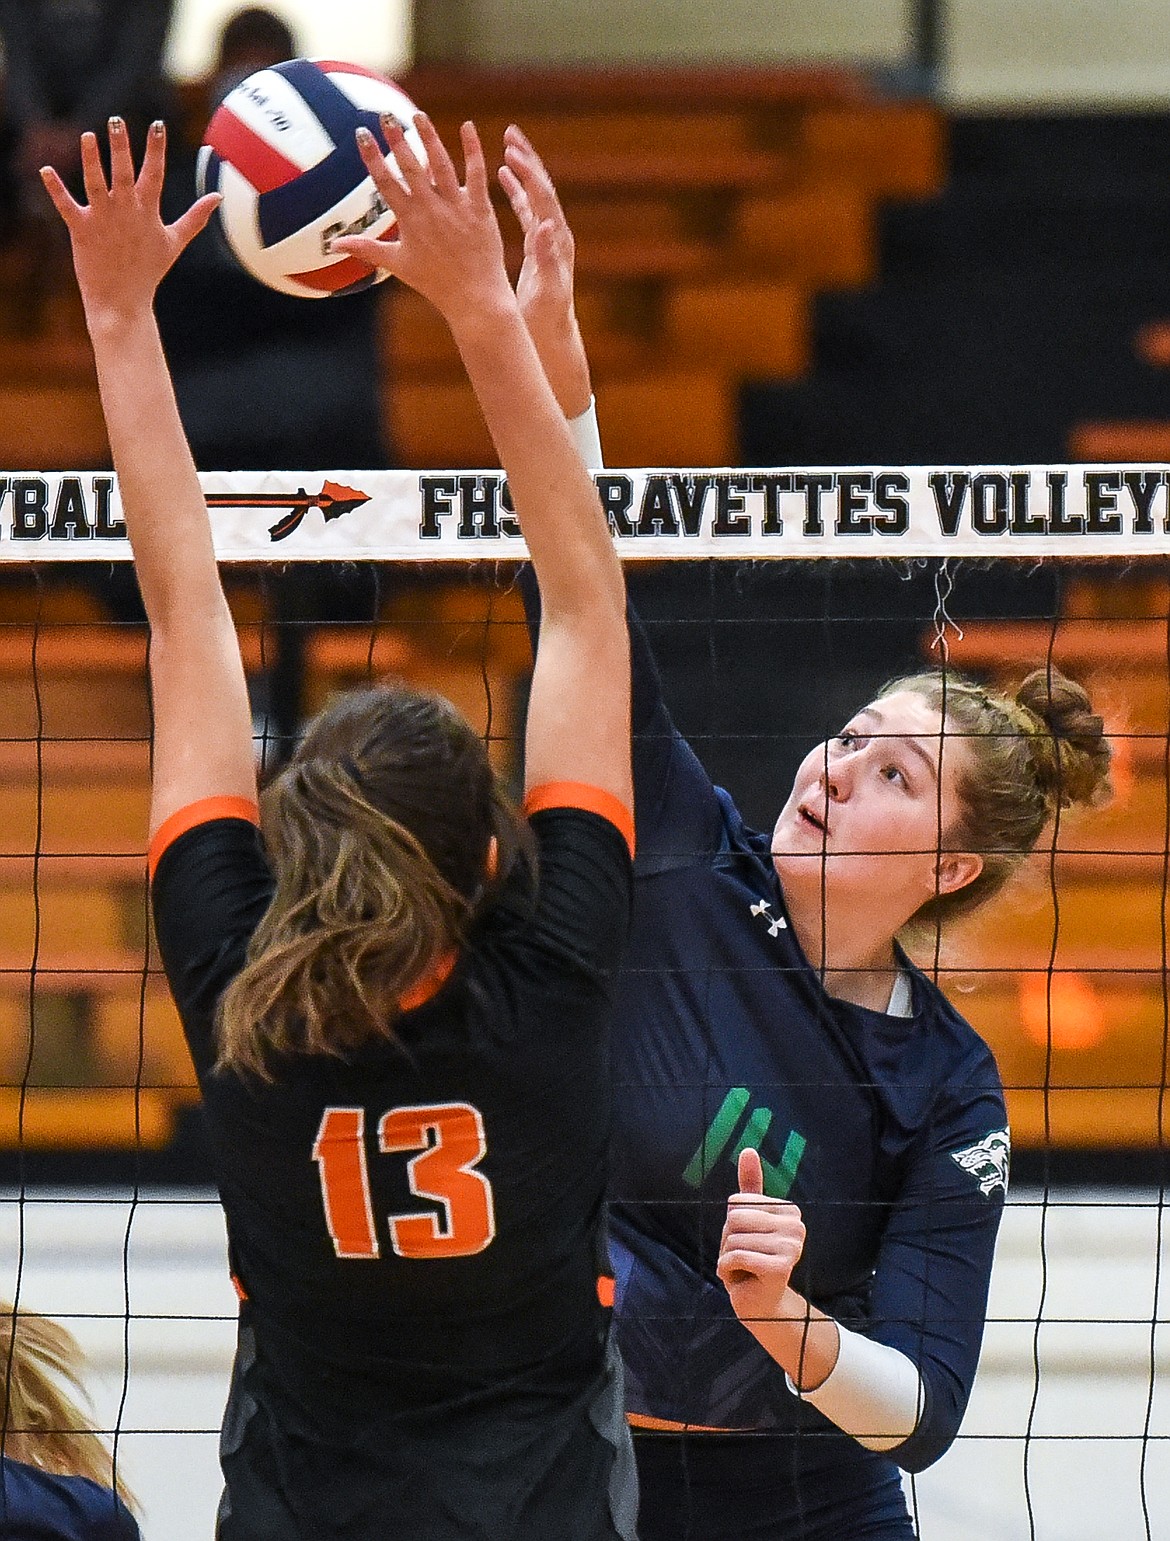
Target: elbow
[
  {"x": 934, "y": 1433},
  {"x": 915, "y": 1455}
]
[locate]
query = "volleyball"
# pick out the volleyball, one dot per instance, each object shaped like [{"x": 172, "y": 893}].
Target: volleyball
[{"x": 280, "y": 149}]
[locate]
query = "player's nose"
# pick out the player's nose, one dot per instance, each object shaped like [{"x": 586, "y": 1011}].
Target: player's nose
[{"x": 834, "y": 782}]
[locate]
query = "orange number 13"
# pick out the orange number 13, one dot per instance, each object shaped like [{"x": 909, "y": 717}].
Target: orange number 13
[{"x": 451, "y": 1142}]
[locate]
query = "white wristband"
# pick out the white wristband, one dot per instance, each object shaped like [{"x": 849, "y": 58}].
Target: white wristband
[
  {"x": 587, "y": 436},
  {"x": 873, "y": 1392}
]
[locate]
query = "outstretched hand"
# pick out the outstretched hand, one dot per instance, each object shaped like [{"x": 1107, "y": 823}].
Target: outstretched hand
[
  {"x": 121, "y": 248},
  {"x": 545, "y": 285},
  {"x": 446, "y": 243},
  {"x": 761, "y": 1245},
  {"x": 544, "y": 289}
]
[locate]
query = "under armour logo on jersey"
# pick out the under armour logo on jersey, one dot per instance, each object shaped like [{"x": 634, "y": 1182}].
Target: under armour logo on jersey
[
  {"x": 776, "y": 923},
  {"x": 987, "y": 1161}
]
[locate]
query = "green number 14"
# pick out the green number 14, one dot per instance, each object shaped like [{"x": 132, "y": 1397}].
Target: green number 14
[{"x": 778, "y": 1178}]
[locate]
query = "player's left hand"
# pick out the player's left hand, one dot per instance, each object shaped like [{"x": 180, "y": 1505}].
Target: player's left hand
[
  {"x": 545, "y": 285},
  {"x": 761, "y": 1244},
  {"x": 121, "y": 247},
  {"x": 544, "y": 289}
]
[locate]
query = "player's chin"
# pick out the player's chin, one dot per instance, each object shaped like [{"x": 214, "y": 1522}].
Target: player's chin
[{"x": 800, "y": 866}]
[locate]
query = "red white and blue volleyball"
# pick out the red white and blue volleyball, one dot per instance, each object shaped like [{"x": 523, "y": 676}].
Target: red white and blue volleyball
[{"x": 281, "y": 150}]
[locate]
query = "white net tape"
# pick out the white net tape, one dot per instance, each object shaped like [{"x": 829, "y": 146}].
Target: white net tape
[{"x": 868, "y": 511}]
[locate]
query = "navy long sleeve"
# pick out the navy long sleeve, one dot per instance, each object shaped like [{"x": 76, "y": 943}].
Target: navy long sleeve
[{"x": 888, "y": 1132}]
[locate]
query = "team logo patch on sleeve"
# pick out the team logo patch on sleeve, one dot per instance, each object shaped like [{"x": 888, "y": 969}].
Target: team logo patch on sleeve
[{"x": 987, "y": 1161}]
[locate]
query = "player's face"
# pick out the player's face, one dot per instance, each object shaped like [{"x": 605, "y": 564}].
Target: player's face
[{"x": 865, "y": 813}]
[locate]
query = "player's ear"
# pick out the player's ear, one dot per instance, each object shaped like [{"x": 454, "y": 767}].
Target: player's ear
[
  {"x": 492, "y": 865},
  {"x": 956, "y": 869}
]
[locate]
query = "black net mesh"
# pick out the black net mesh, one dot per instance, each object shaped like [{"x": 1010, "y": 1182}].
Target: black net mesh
[{"x": 109, "y": 1219}]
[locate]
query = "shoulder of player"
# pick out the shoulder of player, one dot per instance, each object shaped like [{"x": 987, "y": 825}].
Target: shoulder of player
[
  {"x": 32, "y": 1492},
  {"x": 218, "y": 826},
  {"x": 934, "y": 1009},
  {"x": 736, "y": 835},
  {"x": 730, "y": 849},
  {"x": 964, "y": 1068},
  {"x": 574, "y": 811}
]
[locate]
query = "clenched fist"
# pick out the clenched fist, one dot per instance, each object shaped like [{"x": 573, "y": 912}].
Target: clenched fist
[{"x": 761, "y": 1245}]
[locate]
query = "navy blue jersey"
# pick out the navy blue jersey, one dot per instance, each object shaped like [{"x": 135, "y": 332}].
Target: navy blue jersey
[
  {"x": 37, "y": 1505},
  {"x": 888, "y": 1132},
  {"x": 417, "y": 1228}
]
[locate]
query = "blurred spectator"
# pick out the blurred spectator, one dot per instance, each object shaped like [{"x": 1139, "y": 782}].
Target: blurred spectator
[
  {"x": 251, "y": 40},
  {"x": 265, "y": 381},
  {"x": 57, "y": 1481},
  {"x": 69, "y": 64}
]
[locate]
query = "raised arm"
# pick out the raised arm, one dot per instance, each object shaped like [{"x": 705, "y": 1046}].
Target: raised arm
[
  {"x": 545, "y": 286},
  {"x": 449, "y": 248},
  {"x": 121, "y": 252},
  {"x": 675, "y": 809}
]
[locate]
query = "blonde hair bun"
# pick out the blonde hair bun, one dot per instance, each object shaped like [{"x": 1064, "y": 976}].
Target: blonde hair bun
[{"x": 1069, "y": 750}]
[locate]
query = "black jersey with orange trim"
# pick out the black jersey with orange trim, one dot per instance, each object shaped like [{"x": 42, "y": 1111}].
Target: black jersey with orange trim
[{"x": 417, "y": 1227}]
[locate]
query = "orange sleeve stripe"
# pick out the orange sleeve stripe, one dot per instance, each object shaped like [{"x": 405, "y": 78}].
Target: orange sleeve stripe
[
  {"x": 201, "y": 812},
  {"x": 579, "y": 794},
  {"x": 430, "y": 984},
  {"x": 668, "y": 1426},
  {"x": 606, "y": 1290}
]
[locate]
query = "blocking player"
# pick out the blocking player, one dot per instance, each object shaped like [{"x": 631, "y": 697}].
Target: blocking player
[
  {"x": 393, "y": 985},
  {"x": 811, "y": 1148},
  {"x": 57, "y": 1481}
]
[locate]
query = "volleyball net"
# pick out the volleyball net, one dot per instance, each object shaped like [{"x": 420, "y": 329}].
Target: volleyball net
[{"x": 777, "y": 601}]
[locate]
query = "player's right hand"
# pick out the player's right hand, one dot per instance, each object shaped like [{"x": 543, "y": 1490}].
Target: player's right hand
[
  {"x": 121, "y": 248},
  {"x": 446, "y": 243},
  {"x": 762, "y": 1242}
]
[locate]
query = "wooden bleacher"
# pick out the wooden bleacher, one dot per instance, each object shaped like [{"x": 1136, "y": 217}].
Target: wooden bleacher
[
  {"x": 1123, "y": 443},
  {"x": 709, "y": 208},
  {"x": 709, "y": 205},
  {"x": 1130, "y": 441},
  {"x": 85, "y": 1015},
  {"x": 1091, "y": 902}
]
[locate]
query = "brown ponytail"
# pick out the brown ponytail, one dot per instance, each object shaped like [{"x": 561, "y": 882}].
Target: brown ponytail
[
  {"x": 40, "y": 1391},
  {"x": 1025, "y": 756},
  {"x": 379, "y": 832}
]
